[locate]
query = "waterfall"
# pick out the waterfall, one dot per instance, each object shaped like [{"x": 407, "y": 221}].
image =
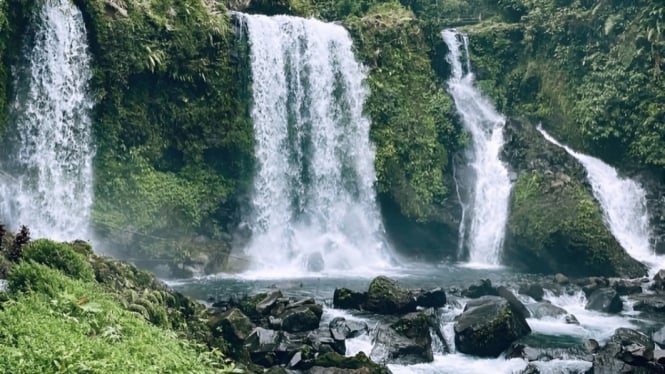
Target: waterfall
[
  {"x": 314, "y": 206},
  {"x": 48, "y": 179},
  {"x": 624, "y": 205},
  {"x": 488, "y": 206}
]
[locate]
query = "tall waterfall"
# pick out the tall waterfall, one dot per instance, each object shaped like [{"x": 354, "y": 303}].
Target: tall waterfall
[
  {"x": 624, "y": 206},
  {"x": 51, "y": 187},
  {"x": 313, "y": 206},
  {"x": 488, "y": 206}
]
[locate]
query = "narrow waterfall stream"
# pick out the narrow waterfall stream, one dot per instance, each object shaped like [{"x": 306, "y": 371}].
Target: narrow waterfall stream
[
  {"x": 487, "y": 213},
  {"x": 314, "y": 207},
  {"x": 48, "y": 181},
  {"x": 624, "y": 206}
]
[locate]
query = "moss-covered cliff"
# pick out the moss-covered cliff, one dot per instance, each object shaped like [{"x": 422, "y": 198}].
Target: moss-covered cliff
[{"x": 174, "y": 140}]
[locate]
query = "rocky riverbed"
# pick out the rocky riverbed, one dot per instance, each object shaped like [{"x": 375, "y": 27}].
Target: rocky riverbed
[{"x": 390, "y": 327}]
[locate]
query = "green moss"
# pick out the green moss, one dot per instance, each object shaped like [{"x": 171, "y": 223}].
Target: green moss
[
  {"x": 557, "y": 226},
  {"x": 174, "y": 140},
  {"x": 411, "y": 114}
]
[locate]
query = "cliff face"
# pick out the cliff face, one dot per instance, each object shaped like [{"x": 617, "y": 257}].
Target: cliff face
[{"x": 174, "y": 140}]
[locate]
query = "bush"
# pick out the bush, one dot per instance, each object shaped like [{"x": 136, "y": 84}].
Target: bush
[{"x": 59, "y": 256}]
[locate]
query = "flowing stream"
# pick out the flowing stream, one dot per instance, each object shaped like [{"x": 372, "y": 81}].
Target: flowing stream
[
  {"x": 488, "y": 206},
  {"x": 624, "y": 206},
  {"x": 48, "y": 179},
  {"x": 314, "y": 206}
]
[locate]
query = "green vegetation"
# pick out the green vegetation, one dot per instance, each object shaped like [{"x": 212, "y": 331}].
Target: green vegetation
[
  {"x": 556, "y": 226},
  {"x": 55, "y": 317},
  {"x": 174, "y": 142},
  {"x": 410, "y": 111},
  {"x": 592, "y": 70}
]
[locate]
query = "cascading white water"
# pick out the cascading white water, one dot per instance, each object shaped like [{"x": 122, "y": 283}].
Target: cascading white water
[
  {"x": 51, "y": 190},
  {"x": 313, "y": 207},
  {"x": 624, "y": 205},
  {"x": 491, "y": 186}
]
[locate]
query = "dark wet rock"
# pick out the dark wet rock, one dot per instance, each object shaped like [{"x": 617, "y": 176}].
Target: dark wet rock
[
  {"x": 334, "y": 363},
  {"x": 233, "y": 325},
  {"x": 323, "y": 342},
  {"x": 301, "y": 318},
  {"x": 515, "y": 304},
  {"x": 488, "y": 326},
  {"x": 627, "y": 286},
  {"x": 406, "y": 341},
  {"x": 265, "y": 305},
  {"x": 479, "y": 289},
  {"x": 341, "y": 329},
  {"x": 572, "y": 320},
  {"x": 535, "y": 291},
  {"x": 387, "y": 296},
  {"x": 269, "y": 347},
  {"x": 592, "y": 345},
  {"x": 658, "y": 281},
  {"x": 649, "y": 303},
  {"x": 343, "y": 298},
  {"x": 609, "y": 359},
  {"x": 535, "y": 353},
  {"x": 592, "y": 284},
  {"x": 605, "y": 300},
  {"x": 546, "y": 309},
  {"x": 434, "y": 298}
]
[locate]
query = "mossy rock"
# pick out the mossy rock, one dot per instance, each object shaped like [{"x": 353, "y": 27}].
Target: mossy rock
[
  {"x": 556, "y": 226},
  {"x": 387, "y": 296},
  {"x": 359, "y": 361}
]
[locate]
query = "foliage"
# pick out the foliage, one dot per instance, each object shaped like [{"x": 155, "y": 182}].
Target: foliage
[
  {"x": 174, "y": 141},
  {"x": 60, "y": 256},
  {"x": 58, "y": 324},
  {"x": 411, "y": 113},
  {"x": 592, "y": 69}
]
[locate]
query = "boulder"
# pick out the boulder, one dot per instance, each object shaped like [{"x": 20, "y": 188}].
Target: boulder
[
  {"x": 561, "y": 279},
  {"x": 515, "y": 304},
  {"x": 343, "y": 298},
  {"x": 555, "y": 224},
  {"x": 335, "y": 363},
  {"x": 264, "y": 306},
  {"x": 627, "y": 286},
  {"x": 622, "y": 345},
  {"x": 546, "y": 309},
  {"x": 323, "y": 342},
  {"x": 434, "y": 298},
  {"x": 341, "y": 329},
  {"x": 488, "y": 326},
  {"x": 233, "y": 325},
  {"x": 386, "y": 296},
  {"x": 649, "y": 303},
  {"x": 406, "y": 341},
  {"x": 269, "y": 347},
  {"x": 535, "y": 291},
  {"x": 605, "y": 300},
  {"x": 301, "y": 318},
  {"x": 479, "y": 289}
]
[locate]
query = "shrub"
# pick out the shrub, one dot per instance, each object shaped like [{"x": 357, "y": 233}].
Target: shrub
[{"x": 59, "y": 256}]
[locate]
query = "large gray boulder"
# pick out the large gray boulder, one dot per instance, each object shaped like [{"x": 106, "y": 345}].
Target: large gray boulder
[
  {"x": 488, "y": 326},
  {"x": 406, "y": 341},
  {"x": 605, "y": 300},
  {"x": 387, "y": 296}
]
